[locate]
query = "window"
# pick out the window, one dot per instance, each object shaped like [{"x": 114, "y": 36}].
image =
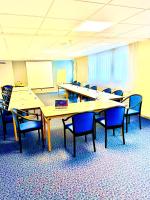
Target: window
[{"x": 109, "y": 67}]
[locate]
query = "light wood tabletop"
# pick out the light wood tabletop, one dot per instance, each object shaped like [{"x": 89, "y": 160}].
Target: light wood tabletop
[
  {"x": 23, "y": 98},
  {"x": 95, "y": 94}
]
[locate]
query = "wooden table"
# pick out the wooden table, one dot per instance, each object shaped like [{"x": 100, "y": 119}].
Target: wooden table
[
  {"x": 86, "y": 92},
  {"x": 50, "y": 112}
]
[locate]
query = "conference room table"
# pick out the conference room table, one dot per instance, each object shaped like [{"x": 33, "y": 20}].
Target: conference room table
[
  {"x": 50, "y": 112},
  {"x": 24, "y": 98},
  {"x": 87, "y": 92}
]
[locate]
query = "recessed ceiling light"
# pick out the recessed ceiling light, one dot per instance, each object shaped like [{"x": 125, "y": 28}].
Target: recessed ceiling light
[{"x": 92, "y": 26}]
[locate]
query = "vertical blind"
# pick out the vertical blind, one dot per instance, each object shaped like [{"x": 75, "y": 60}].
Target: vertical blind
[{"x": 109, "y": 67}]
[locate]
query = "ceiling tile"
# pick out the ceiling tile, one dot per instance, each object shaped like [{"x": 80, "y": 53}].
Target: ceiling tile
[
  {"x": 114, "y": 13},
  {"x": 117, "y": 30},
  {"x": 20, "y": 21},
  {"x": 70, "y": 9},
  {"x": 59, "y": 24},
  {"x": 2, "y": 46},
  {"x": 21, "y": 31},
  {"x": 141, "y": 18},
  {"x": 143, "y": 32},
  {"x": 15, "y": 41},
  {"x": 40, "y": 41},
  {"x": 132, "y": 3},
  {"x": 49, "y": 32},
  {"x": 95, "y": 1},
  {"x": 25, "y": 7}
]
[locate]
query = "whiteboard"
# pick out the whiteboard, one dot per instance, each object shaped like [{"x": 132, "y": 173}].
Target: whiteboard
[{"x": 40, "y": 74}]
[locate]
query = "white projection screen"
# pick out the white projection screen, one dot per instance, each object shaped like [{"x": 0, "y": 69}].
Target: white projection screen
[{"x": 40, "y": 74}]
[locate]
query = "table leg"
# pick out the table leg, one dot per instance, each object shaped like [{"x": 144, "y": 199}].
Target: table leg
[
  {"x": 49, "y": 135},
  {"x": 44, "y": 126},
  {"x": 15, "y": 130}
]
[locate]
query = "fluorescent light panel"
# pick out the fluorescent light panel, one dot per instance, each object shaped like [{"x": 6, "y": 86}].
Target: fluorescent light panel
[{"x": 93, "y": 26}]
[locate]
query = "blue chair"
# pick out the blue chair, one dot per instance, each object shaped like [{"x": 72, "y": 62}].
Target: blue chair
[
  {"x": 24, "y": 124},
  {"x": 87, "y": 86},
  {"x": 7, "y": 88},
  {"x": 107, "y": 90},
  {"x": 134, "y": 108},
  {"x": 74, "y": 82},
  {"x": 113, "y": 118},
  {"x": 86, "y": 98},
  {"x": 82, "y": 124},
  {"x": 94, "y": 87},
  {"x": 73, "y": 97},
  {"x": 118, "y": 92}
]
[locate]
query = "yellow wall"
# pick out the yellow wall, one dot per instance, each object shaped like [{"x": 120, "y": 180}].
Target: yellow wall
[
  {"x": 81, "y": 69},
  {"x": 141, "y": 73},
  {"x": 20, "y": 72}
]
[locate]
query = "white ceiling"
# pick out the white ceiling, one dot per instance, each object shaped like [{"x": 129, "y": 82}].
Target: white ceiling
[{"x": 44, "y": 29}]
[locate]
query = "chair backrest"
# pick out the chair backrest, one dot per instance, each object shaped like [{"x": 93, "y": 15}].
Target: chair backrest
[
  {"x": 94, "y": 87},
  {"x": 87, "y": 86},
  {"x": 135, "y": 99},
  {"x": 74, "y": 82},
  {"x": 118, "y": 92},
  {"x": 114, "y": 116},
  {"x": 7, "y": 88},
  {"x": 83, "y": 122},
  {"x": 107, "y": 90}
]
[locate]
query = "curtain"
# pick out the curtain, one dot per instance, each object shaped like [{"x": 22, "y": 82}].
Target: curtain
[
  {"x": 109, "y": 68},
  {"x": 120, "y": 65}
]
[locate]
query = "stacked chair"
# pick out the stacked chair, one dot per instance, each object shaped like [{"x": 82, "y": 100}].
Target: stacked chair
[{"x": 6, "y": 115}]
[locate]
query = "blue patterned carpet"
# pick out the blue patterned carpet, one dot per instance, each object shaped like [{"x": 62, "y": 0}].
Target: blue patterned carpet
[{"x": 120, "y": 172}]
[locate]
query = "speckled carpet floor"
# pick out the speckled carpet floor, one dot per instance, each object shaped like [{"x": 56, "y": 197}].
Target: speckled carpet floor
[{"x": 120, "y": 172}]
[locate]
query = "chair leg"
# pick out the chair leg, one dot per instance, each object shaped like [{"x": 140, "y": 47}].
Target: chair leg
[
  {"x": 113, "y": 132},
  {"x": 4, "y": 131},
  {"x": 105, "y": 138},
  {"x": 93, "y": 137},
  {"x": 128, "y": 119},
  {"x": 42, "y": 137},
  {"x": 95, "y": 130},
  {"x": 123, "y": 134},
  {"x": 126, "y": 124},
  {"x": 85, "y": 138},
  {"x": 20, "y": 143},
  {"x": 39, "y": 134},
  {"x": 65, "y": 138},
  {"x": 140, "y": 122},
  {"x": 74, "y": 145}
]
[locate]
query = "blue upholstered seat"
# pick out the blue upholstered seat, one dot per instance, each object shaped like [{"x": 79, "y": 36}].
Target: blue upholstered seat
[
  {"x": 30, "y": 126},
  {"x": 82, "y": 124}
]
